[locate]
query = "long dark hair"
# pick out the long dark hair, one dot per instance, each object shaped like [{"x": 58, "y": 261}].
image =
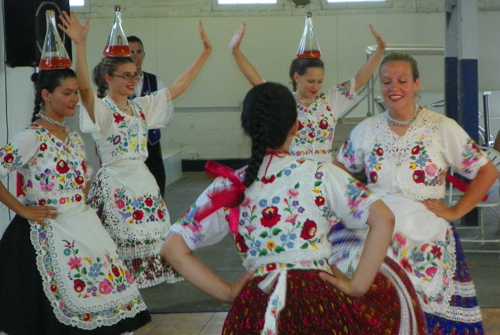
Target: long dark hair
[
  {"x": 47, "y": 80},
  {"x": 108, "y": 65},
  {"x": 269, "y": 112},
  {"x": 300, "y": 66}
]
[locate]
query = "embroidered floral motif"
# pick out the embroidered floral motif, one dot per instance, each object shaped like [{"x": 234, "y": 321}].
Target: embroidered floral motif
[
  {"x": 356, "y": 192},
  {"x": 316, "y": 126},
  {"x": 139, "y": 210},
  {"x": 348, "y": 153},
  {"x": 424, "y": 262},
  {"x": 316, "y": 123},
  {"x": 425, "y": 171},
  {"x": 9, "y": 158},
  {"x": 471, "y": 154},
  {"x": 345, "y": 88},
  {"x": 126, "y": 140},
  {"x": 69, "y": 170},
  {"x": 94, "y": 277},
  {"x": 374, "y": 161},
  {"x": 274, "y": 240},
  {"x": 91, "y": 278}
]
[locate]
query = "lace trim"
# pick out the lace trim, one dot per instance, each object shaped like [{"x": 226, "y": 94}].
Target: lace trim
[
  {"x": 461, "y": 314},
  {"x": 132, "y": 250},
  {"x": 466, "y": 290}
]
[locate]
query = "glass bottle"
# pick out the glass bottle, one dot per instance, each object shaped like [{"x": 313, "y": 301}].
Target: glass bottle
[
  {"x": 117, "y": 42},
  {"x": 308, "y": 46},
  {"x": 54, "y": 55}
]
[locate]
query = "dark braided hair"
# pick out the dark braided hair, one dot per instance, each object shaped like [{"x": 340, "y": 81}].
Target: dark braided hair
[
  {"x": 300, "y": 66},
  {"x": 47, "y": 80},
  {"x": 269, "y": 112},
  {"x": 108, "y": 65}
]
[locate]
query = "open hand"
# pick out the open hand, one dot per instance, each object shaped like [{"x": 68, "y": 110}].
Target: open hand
[
  {"x": 238, "y": 285},
  {"x": 380, "y": 41},
  {"x": 204, "y": 38},
  {"x": 237, "y": 37},
  {"x": 72, "y": 27},
  {"x": 39, "y": 213},
  {"x": 342, "y": 282},
  {"x": 439, "y": 208}
]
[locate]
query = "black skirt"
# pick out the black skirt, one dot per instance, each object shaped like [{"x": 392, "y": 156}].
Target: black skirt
[{"x": 24, "y": 307}]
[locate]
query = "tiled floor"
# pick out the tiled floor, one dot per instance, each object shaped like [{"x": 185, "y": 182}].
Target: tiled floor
[{"x": 211, "y": 323}]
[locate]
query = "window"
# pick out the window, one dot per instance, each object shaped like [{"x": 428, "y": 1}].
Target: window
[
  {"x": 354, "y": 4},
  {"x": 342, "y": 1},
  {"x": 238, "y": 2},
  {"x": 79, "y": 5},
  {"x": 238, "y": 5}
]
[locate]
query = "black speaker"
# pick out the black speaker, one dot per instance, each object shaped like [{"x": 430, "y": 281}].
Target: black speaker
[{"x": 25, "y": 27}]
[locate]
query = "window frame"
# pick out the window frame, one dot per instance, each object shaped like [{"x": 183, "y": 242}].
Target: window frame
[
  {"x": 81, "y": 9},
  {"x": 279, "y": 5},
  {"x": 356, "y": 5}
]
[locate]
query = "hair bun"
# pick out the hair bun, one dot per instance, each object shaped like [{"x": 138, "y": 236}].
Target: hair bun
[{"x": 34, "y": 77}]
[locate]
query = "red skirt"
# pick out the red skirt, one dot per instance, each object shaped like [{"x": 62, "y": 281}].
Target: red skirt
[{"x": 314, "y": 306}]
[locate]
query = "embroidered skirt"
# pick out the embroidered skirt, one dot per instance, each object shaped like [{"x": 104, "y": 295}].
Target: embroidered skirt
[
  {"x": 463, "y": 315},
  {"x": 30, "y": 303},
  {"x": 126, "y": 197},
  {"x": 316, "y": 307},
  {"x": 460, "y": 312}
]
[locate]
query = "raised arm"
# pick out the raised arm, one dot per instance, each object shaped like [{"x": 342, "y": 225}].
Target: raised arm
[
  {"x": 244, "y": 65},
  {"x": 184, "y": 80},
  {"x": 78, "y": 34},
  {"x": 381, "y": 221},
  {"x": 177, "y": 253},
  {"x": 364, "y": 74}
]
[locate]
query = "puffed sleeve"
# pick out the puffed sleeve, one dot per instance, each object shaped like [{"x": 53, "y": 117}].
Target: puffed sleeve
[
  {"x": 348, "y": 198},
  {"x": 342, "y": 97},
  {"x": 208, "y": 231},
  {"x": 351, "y": 153},
  {"x": 157, "y": 107},
  {"x": 20, "y": 150},
  {"x": 460, "y": 151},
  {"x": 102, "y": 117}
]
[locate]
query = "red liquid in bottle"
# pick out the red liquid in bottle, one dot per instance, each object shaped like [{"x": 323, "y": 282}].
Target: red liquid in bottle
[
  {"x": 309, "y": 54},
  {"x": 117, "y": 51},
  {"x": 54, "y": 63}
]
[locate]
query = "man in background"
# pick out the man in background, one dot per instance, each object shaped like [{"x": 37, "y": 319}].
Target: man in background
[{"x": 147, "y": 84}]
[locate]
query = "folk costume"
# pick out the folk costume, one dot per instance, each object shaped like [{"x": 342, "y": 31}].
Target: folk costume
[
  {"x": 280, "y": 231},
  {"x": 65, "y": 278},
  {"x": 403, "y": 170},
  {"x": 124, "y": 192}
]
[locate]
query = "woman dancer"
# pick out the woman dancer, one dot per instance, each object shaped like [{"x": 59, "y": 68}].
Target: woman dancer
[
  {"x": 61, "y": 272},
  {"x": 124, "y": 191},
  {"x": 281, "y": 211},
  {"x": 405, "y": 153},
  {"x": 318, "y": 112}
]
